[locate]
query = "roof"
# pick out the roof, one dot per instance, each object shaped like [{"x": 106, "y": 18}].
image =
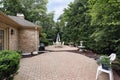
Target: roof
[
  {"x": 5, "y": 19},
  {"x": 17, "y": 22},
  {"x": 22, "y": 21}
]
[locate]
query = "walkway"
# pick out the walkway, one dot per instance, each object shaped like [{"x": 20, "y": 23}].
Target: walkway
[{"x": 58, "y": 66}]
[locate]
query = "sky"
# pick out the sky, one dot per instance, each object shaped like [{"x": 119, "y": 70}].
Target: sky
[{"x": 57, "y": 6}]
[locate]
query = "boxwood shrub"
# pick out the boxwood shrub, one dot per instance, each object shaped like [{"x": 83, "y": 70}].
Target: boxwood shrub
[{"x": 9, "y": 64}]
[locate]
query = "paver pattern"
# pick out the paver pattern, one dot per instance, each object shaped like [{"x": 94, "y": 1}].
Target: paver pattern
[{"x": 58, "y": 66}]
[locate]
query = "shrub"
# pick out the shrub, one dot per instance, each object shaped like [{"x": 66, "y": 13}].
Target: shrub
[
  {"x": 19, "y": 51},
  {"x": 9, "y": 64}
]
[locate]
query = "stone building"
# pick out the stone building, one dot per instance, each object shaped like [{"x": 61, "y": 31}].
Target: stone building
[{"x": 16, "y": 33}]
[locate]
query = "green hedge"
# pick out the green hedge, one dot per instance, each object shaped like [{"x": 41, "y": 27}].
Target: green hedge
[{"x": 9, "y": 64}]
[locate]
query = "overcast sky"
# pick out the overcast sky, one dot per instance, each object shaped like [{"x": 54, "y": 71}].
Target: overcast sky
[{"x": 57, "y": 6}]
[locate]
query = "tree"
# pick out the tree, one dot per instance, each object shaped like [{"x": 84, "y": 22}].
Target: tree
[
  {"x": 104, "y": 12},
  {"x": 32, "y": 9},
  {"x": 78, "y": 21},
  {"x": 49, "y": 26},
  {"x": 105, "y": 16},
  {"x": 35, "y": 9},
  {"x": 11, "y": 7}
]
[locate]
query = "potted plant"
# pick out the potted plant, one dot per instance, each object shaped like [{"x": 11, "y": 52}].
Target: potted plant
[{"x": 105, "y": 62}]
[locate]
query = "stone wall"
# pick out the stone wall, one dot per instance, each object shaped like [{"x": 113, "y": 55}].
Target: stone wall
[
  {"x": 28, "y": 40},
  {"x": 13, "y": 38}
]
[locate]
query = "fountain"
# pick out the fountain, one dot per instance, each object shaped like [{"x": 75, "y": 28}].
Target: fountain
[
  {"x": 58, "y": 43},
  {"x": 58, "y": 38},
  {"x": 81, "y": 47}
]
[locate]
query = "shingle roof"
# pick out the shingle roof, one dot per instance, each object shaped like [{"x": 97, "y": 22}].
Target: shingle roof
[
  {"x": 17, "y": 22},
  {"x": 22, "y": 21}
]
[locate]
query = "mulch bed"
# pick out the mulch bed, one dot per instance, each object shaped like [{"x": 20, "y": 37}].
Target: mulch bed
[{"x": 87, "y": 53}]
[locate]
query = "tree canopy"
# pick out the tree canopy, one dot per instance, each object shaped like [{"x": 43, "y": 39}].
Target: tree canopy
[
  {"x": 11, "y": 7},
  {"x": 96, "y": 22},
  {"x": 78, "y": 21}
]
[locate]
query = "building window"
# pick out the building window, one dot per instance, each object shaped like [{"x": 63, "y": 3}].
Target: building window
[{"x": 1, "y": 39}]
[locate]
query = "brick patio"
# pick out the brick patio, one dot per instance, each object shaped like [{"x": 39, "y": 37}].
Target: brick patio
[{"x": 58, "y": 66}]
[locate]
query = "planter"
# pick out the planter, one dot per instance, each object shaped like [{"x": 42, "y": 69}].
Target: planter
[{"x": 104, "y": 66}]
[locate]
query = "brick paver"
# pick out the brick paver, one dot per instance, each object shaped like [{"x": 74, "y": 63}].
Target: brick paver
[{"x": 58, "y": 66}]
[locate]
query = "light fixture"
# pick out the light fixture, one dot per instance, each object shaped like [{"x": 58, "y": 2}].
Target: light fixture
[{"x": 12, "y": 31}]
